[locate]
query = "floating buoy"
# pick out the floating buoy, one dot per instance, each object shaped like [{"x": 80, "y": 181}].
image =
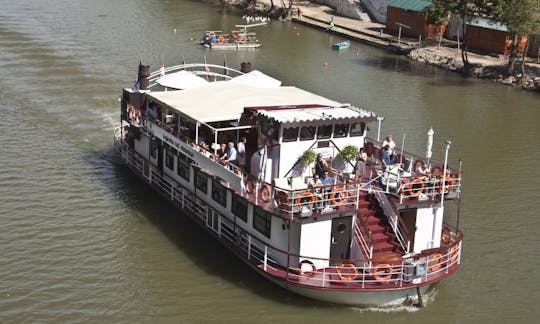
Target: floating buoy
[
  {"x": 297, "y": 34},
  {"x": 325, "y": 64}
]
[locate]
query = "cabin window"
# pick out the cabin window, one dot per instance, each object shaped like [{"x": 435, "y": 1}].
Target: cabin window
[
  {"x": 153, "y": 148},
  {"x": 341, "y": 130},
  {"x": 307, "y": 133},
  {"x": 239, "y": 208},
  {"x": 201, "y": 182},
  {"x": 219, "y": 193},
  {"x": 169, "y": 159},
  {"x": 182, "y": 169},
  {"x": 262, "y": 221},
  {"x": 324, "y": 131},
  {"x": 357, "y": 129},
  {"x": 290, "y": 134}
]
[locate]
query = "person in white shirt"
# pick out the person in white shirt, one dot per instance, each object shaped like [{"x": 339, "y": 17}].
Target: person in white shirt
[{"x": 241, "y": 152}]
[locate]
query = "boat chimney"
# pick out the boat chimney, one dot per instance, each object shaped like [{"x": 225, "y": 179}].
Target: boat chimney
[
  {"x": 144, "y": 73},
  {"x": 245, "y": 67}
]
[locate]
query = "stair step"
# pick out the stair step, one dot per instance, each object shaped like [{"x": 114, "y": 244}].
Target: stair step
[{"x": 380, "y": 237}]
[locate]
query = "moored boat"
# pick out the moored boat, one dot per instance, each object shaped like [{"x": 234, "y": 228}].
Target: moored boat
[
  {"x": 379, "y": 238},
  {"x": 236, "y": 39},
  {"x": 341, "y": 45}
]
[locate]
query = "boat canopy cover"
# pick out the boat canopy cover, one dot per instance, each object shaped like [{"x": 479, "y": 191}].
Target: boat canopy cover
[
  {"x": 226, "y": 100},
  {"x": 181, "y": 80},
  {"x": 316, "y": 113},
  {"x": 257, "y": 79}
]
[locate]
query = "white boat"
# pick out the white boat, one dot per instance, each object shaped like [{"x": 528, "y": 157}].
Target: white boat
[
  {"x": 382, "y": 240},
  {"x": 341, "y": 45},
  {"x": 236, "y": 39}
]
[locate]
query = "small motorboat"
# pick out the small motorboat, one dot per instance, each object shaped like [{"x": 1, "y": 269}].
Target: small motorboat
[{"x": 341, "y": 45}]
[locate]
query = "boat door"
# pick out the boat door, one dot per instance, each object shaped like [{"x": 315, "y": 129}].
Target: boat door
[
  {"x": 340, "y": 243},
  {"x": 160, "y": 151}
]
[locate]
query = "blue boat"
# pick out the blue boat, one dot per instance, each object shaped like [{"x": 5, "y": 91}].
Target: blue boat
[{"x": 341, "y": 45}]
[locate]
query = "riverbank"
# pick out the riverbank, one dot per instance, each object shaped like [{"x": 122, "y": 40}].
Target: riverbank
[{"x": 446, "y": 55}]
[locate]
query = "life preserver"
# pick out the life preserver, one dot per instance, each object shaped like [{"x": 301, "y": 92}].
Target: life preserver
[
  {"x": 265, "y": 193},
  {"x": 368, "y": 147},
  {"x": 242, "y": 40},
  {"x": 311, "y": 268},
  {"x": 448, "y": 183},
  {"x": 249, "y": 185},
  {"x": 235, "y": 34},
  {"x": 303, "y": 195},
  {"x": 347, "y": 276},
  {"x": 338, "y": 196},
  {"x": 282, "y": 200},
  {"x": 453, "y": 253},
  {"x": 434, "y": 263},
  {"x": 415, "y": 164},
  {"x": 446, "y": 235},
  {"x": 436, "y": 171},
  {"x": 382, "y": 272},
  {"x": 220, "y": 40},
  {"x": 415, "y": 192}
]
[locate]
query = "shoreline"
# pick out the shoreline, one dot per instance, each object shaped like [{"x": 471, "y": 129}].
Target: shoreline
[{"x": 446, "y": 56}]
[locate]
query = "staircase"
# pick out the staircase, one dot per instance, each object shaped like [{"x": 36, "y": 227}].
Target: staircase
[{"x": 374, "y": 224}]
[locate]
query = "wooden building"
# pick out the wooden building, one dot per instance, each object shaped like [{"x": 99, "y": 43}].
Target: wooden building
[
  {"x": 490, "y": 36},
  {"x": 413, "y": 17}
]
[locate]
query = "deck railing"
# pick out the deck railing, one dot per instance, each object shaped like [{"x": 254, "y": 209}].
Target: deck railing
[{"x": 305, "y": 270}]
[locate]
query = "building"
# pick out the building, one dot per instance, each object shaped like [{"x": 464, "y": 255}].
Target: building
[
  {"x": 490, "y": 36},
  {"x": 413, "y": 18}
]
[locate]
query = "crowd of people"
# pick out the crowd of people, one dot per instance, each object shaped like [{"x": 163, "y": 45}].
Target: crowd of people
[{"x": 226, "y": 153}]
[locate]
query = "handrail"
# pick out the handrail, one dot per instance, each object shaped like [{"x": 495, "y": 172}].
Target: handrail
[{"x": 360, "y": 272}]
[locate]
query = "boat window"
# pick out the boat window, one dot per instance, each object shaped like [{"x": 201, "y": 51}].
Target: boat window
[
  {"x": 153, "y": 148},
  {"x": 219, "y": 193},
  {"x": 357, "y": 129},
  {"x": 239, "y": 208},
  {"x": 290, "y": 134},
  {"x": 182, "y": 168},
  {"x": 262, "y": 221},
  {"x": 169, "y": 159},
  {"x": 307, "y": 133},
  {"x": 201, "y": 182},
  {"x": 324, "y": 131},
  {"x": 341, "y": 130}
]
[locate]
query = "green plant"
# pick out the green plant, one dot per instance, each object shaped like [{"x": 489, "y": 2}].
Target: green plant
[
  {"x": 348, "y": 153},
  {"x": 307, "y": 157}
]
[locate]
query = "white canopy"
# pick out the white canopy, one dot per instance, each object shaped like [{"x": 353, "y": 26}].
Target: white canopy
[
  {"x": 257, "y": 79},
  {"x": 226, "y": 100},
  {"x": 181, "y": 80}
]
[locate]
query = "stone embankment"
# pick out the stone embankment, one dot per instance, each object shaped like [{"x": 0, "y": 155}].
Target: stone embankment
[{"x": 480, "y": 66}]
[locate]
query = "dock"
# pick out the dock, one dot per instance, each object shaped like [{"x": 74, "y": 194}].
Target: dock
[{"x": 367, "y": 32}]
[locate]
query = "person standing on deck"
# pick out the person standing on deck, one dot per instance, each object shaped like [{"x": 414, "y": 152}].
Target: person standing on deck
[
  {"x": 241, "y": 152},
  {"x": 390, "y": 142},
  {"x": 360, "y": 166}
]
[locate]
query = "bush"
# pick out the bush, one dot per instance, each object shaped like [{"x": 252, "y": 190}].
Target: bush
[
  {"x": 348, "y": 153},
  {"x": 307, "y": 157}
]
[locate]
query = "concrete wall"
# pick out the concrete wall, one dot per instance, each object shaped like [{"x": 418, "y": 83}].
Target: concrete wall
[
  {"x": 345, "y": 8},
  {"x": 377, "y": 9}
]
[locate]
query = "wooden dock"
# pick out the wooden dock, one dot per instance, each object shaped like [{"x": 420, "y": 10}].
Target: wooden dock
[{"x": 324, "y": 18}]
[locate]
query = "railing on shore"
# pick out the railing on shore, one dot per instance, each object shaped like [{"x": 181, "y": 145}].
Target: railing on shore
[{"x": 309, "y": 271}]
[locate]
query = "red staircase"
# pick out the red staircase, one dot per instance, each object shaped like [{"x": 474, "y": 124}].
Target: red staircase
[{"x": 374, "y": 225}]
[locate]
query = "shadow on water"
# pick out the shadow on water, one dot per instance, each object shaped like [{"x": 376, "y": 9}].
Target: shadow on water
[
  {"x": 402, "y": 65},
  {"x": 209, "y": 255}
]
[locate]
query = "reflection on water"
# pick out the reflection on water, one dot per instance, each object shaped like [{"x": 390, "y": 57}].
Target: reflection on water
[{"x": 83, "y": 240}]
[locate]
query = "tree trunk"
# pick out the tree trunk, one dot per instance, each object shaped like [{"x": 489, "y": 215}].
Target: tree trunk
[
  {"x": 523, "y": 62},
  {"x": 513, "y": 56}
]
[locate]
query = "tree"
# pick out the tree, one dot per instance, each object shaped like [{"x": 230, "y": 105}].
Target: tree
[{"x": 521, "y": 17}]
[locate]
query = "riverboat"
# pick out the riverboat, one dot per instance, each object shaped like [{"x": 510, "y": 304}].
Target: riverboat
[
  {"x": 341, "y": 45},
  {"x": 382, "y": 238},
  {"x": 235, "y": 40}
]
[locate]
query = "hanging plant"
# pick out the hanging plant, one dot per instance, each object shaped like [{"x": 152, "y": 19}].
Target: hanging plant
[
  {"x": 307, "y": 157},
  {"x": 348, "y": 153}
]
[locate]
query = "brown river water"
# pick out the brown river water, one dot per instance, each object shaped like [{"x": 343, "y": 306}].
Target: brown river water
[{"x": 82, "y": 241}]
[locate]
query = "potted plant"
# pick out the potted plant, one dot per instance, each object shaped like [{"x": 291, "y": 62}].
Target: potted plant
[
  {"x": 347, "y": 155},
  {"x": 303, "y": 168},
  {"x": 307, "y": 157}
]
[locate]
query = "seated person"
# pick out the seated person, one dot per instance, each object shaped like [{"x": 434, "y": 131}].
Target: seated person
[
  {"x": 422, "y": 170},
  {"x": 327, "y": 182},
  {"x": 230, "y": 156}
]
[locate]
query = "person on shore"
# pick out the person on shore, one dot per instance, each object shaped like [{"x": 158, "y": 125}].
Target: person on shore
[{"x": 331, "y": 23}]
